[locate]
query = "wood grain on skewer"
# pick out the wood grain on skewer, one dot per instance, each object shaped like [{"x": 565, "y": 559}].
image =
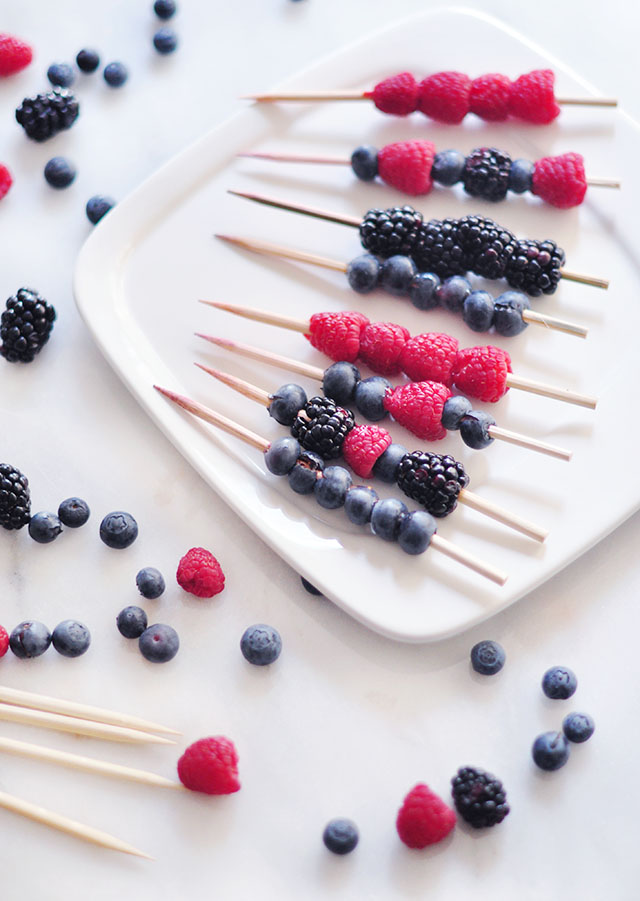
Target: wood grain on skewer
[
  {"x": 553, "y": 322},
  {"x": 587, "y": 101},
  {"x": 246, "y": 388},
  {"x": 255, "y": 353},
  {"x": 469, "y": 560},
  {"x": 494, "y": 511},
  {"x": 288, "y": 322},
  {"x": 269, "y": 249},
  {"x": 313, "y": 96},
  {"x": 60, "y": 723},
  {"x": 544, "y": 390},
  {"x": 551, "y": 450},
  {"x": 585, "y": 279}
]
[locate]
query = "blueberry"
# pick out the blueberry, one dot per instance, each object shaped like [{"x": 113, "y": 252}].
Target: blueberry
[
  {"x": 339, "y": 382},
  {"x": 340, "y": 836},
  {"x": 309, "y": 587},
  {"x": 559, "y": 683},
  {"x": 369, "y": 397},
  {"x": 387, "y": 517},
  {"x": 115, "y": 74},
  {"x": 131, "y": 622},
  {"x": 29, "y": 639},
  {"x": 507, "y": 315},
  {"x": 88, "y": 60},
  {"x": 359, "y": 504},
  {"x": 159, "y": 643},
  {"x": 150, "y": 582},
  {"x": 71, "y": 638},
  {"x": 550, "y": 750},
  {"x": 59, "y": 172},
  {"x": 261, "y": 644},
  {"x": 118, "y": 530},
  {"x": 97, "y": 207},
  {"x": 331, "y": 489},
  {"x": 474, "y": 429},
  {"x": 364, "y": 162},
  {"x": 304, "y": 475},
  {"x": 487, "y": 657},
  {"x": 386, "y": 466},
  {"x": 453, "y": 292},
  {"x": 423, "y": 291},
  {"x": 453, "y": 412},
  {"x": 363, "y": 273},
  {"x": 73, "y": 512},
  {"x": 165, "y": 40},
  {"x": 396, "y": 275},
  {"x": 578, "y": 727},
  {"x": 416, "y": 531},
  {"x": 164, "y": 9},
  {"x": 520, "y": 176},
  {"x": 44, "y": 527},
  {"x": 477, "y": 311},
  {"x": 61, "y": 75},
  {"x": 286, "y": 403},
  {"x": 447, "y": 167},
  {"x": 280, "y": 457}
]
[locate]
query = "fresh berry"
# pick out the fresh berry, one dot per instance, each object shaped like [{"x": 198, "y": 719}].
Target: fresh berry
[
  {"x": 381, "y": 345},
  {"x": 489, "y": 97},
  {"x": 339, "y": 382},
  {"x": 396, "y": 275},
  {"x": 97, "y": 207},
  {"x": 387, "y": 517},
  {"x": 115, "y": 74},
  {"x": 487, "y": 657},
  {"x": 531, "y": 98},
  {"x": 44, "y": 527},
  {"x": 61, "y": 75},
  {"x": 482, "y": 372},
  {"x": 487, "y": 246},
  {"x": 423, "y": 290},
  {"x": 14, "y": 55},
  {"x": 362, "y": 447},
  {"x": 438, "y": 249},
  {"x": 363, "y": 273},
  {"x": 200, "y": 573},
  {"x": 45, "y": 115},
  {"x": 164, "y": 9},
  {"x": 559, "y": 683},
  {"x": 364, "y": 162},
  {"x": 159, "y": 643},
  {"x": 486, "y": 173},
  {"x": 359, "y": 504},
  {"x": 4, "y": 641},
  {"x": 71, "y": 638},
  {"x": 521, "y": 176},
  {"x": 550, "y": 751},
  {"x": 454, "y": 411},
  {"x": 479, "y": 797},
  {"x": 387, "y": 465},
  {"x": 307, "y": 469},
  {"x": 261, "y": 644},
  {"x": 29, "y": 639},
  {"x": 15, "y": 498},
  {"x": 369, "y": 397},
  {"x": 5, "y": 180},
  {"x": 131, "y": 622},
  {"x": 210, "y": 765},
  {"x": 416, "y": 531},
  {"x": 25, "y": 326},
  {"x": 59, "y": 172},
  {"x": 322, "y": 426},
  {"x": 337, "y": 334},
  {"x": 577, "y": 727},
  {"x": 453, "y": 292},
  {"x": 118, "y": 530},
  {"x": 406, "y": 165},
  {"x": 397, "y": 95},
  {"x": 535, "y": 267},
  {"x": 165, "y": 41},
  {"x": 475, "y": 429},
  {"x": 560, "y": 180},
  {"x": 445, "y": 97},
  {"x": 397, "y": 230},
  {"x": 285, "y": 403},
  {"x": 507, "y": 313},
  {"x": 424, "y": 818},
  {"x": 418, "y": 407},
  {"x": 280, "y": 457},
  {"x": 87, "y": 60},
  {"x": 73, "y": 512},
  {"x": 340, "y": 836},
  {"x": 433, "y": 480},
  {"x": 447, "y": 167},
  {"x": 150, "y": 582},
  {"x": 477, "y": 311},
  {"x": 331, "y": 490},
  {"x": 309, "y": 587}
]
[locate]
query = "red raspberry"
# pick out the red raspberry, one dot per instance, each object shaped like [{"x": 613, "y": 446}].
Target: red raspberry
[
  {"x": 532, "y": 98},
  {"x": 397, "y": 95},
  {"x": 424, "y": 818},
  {"x": 200, "y": 573},
  {"x": 210, "y": 765},
  {"x": 430, "y": 356},
  {"x": 362, "y": 447},
  {"x": 418, "y": 407},
  {"x": 381, "y": 344},
  {"x": 482, "y": 372},
  {"x": 445, "y": 97},
  {"x": 489, "y": 97},
  {"x": 14, "y": 54},
  {"x": 5, "y": 180},
  {"x": 560, "y": 180},
  {"x": 337, "y": 334},
  {"x": 406, "y": 166},
  {"x": 4, "y": 641}
]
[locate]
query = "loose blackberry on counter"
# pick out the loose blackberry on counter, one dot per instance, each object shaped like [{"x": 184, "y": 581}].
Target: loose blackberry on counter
[
  {"x": 479, "y": 797},
  {"x": 15, "y": 498},
  {"x": 25, "y": 326},
  {"x": 44, "y": 115}
]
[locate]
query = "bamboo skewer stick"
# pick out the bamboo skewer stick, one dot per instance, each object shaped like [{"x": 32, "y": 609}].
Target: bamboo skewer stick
[
  {"x": 105, "y": 731},
  {"x": 563, "y": 394},
  {"x": 542, "y": 447},
  {"x": 495, "y": 511},
  {"x": 315, "y": 96}
]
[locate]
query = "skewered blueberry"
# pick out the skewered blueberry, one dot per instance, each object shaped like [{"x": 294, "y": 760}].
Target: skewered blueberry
[
  {"x": 369, "y": 397},
  {"x": 453, "y": 412},
  {"x": 386, "y": 466},
  {"x": 423, "y": 291},
  {"x": 286, "y": 402},
  {"x": 474, "y": 429},
  {"x": 363, "y": 273},
  {"x": 364, "y": 162},
  {"x": 280, "y": 457},
  {"x": 521, "y": 176},
  {"x": 507, "y": 316},
  {"x": 339, "y": 382},
  {"x": 396, "y": 275},
  {"x": 305, "y": 473},
  {"x": 416, "y": 531},
  {"x": 359, "y": 504},
  {"x": 331, "y": 489},
  {"x": 387, "y": 517},
  {"x": 477, "y": 311},
  {"x": 453, "y": 292},
  {"x": 447, "y": 167}
]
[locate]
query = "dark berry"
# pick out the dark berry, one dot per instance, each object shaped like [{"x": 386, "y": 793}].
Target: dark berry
[
  {"x": 416, "y": 531},
  {"x": 386, "y": 466},
  {"x": 387, "y": 517},
  {"x": 305, "y": 473},
  {"x": 159, "y": 643},
  {"x": 487, "y": 246},
  {"x": 486, "y": 173},
  {"x": 15, "y": 498},
  {"x": 477, "y": 311},
  {"x": 453, "y": 292},
  {"x": 559, "y": 683},
  {"x": 87, "y": 61},
  {"x": 71, "y": 638},
  {"x": 61, "y": 75},
  {"x": 309, "y": 587},
  {"x": 280, "y": 457},
  {"x": 118, "y": 530},
  {"x": 331, "y": 490},
  {"x": 534, "y": 267},
  {"x": 369, "y": 397},
  {"x": 390, "y": 232},
  {"x": 73, "y": 512},
  {"x": 115, "y": 74},
  {"x": 359, "y": 504},
  {"x": 474, "y": 429},
  {"x": 487, "y": 657},
  {"x": 433, "y": 480},
  {"x": 453, "y": 412},
  {"x": 45, "y": 115},
  {"x": 364, "y": 162},
  {"x": 97, "y": 207},
  {"x": 423, "y": 291},
  {"x": 578, "y": 727},
  {"x": 521, "y": 176},
  {"x": 165, "y": 41},
  {"x": 322, "y": 426},
  {"x": 164, "y": 9},
  {"x": 59, "y": 172},
  {"x": 29, "y": 639},
  {"x": 131, "y": 622},
  {"x": 479, "y": 797},
  {"x": 44, "y": 527},
  {"x": 396, "y": 275},
  {"x": 150, "y": 582},
  {"x": 550, "y": 750},
  {"x": 438, "y": 249},
  {"x": 447, "y": 167},
  {"x": 286, "y": 402},
  {"x": 340, "y": 836},
  {"x": 363, "y": 273},
  {"x": 261, "y": 644},
  {"x": 507, "y": 313},
  {"x": 25, "y": 326},
  {"x": 339, "y": 382}
]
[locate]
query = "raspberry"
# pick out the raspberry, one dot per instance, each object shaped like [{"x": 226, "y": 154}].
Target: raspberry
[
  {"x": 362, "y": 447},
  {"x": 445, "y": 97},
  {"x": 397, "y": 95},
  {"x": 14, "y": 54},
  {"x": 481, "y": 372},
  {"x": 337, "y": 334},
  {"x": 532, "y": 98},
  {"x": 210, "y": 765},
  {"x": 560, "y": 180},
  {"x": 381, "y": 344},
  {"x": 489, "y": 97},
  {"x": 406, "y": 166},
  {"x": 424, "y": 818},
  {"x": 5, "y": 180},
  {"x": 418, "y": 407},
  {"x": 4, "y": 641},
  {"x": 200, "y": 573},
  {"x": 430, "y": 356}
]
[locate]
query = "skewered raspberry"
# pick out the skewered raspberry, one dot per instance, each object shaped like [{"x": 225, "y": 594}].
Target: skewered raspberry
[
  {"x": 489, "y": 97},
  {"x": 479, "y": 797},
  {"x": 45, "y": 115},
  {"x": 337, "y": 334},
  {"x": 406, "y": 165},
  {"x": 535, "y": 267},
  {"x": 487, "y": 246},
  {"x": 434, "y": 480},
  {"x": 397, "y": 95},
  {"x": 322, "y": 426},
  {"x": 381, "y": 344},
  {"x": 15, "y": 498},
  {"x": 429, "y": 356},
  {"x": 362, "y": 446},
  {"x": 560, "y": 180},
  {"x": 438, "y": 249},
  {"x": 532, "y": 99},
  {"x": 486, "y": 173},
  {"x": 389, "y": 232},
  {"x": 445, "y": 96},
  {"x": 418, "y": 407},
  {"x": 25, "y": 326},
  {"x": 482, "y": 372}
]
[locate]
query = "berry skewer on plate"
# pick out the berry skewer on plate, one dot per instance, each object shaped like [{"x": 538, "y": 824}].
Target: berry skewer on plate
[
  {"x": 414, "y": 166},
  {"x": 449, "y": 96},
  {"x": 389, "y": 519}
]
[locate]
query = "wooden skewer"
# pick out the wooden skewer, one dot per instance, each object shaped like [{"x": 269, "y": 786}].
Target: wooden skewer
[
  {"x": 563, "y": 394},
  {"x": 551, "y": 450},
  {"x": 105, "y": 731},
  {"x": 65, "y": 824},
  {"x": 440, "y": 544},
  {"x": 314, "y": 96}
]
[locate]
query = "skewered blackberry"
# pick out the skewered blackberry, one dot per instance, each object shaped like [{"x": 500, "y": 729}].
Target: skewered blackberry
[
  {"x": 390, "y": 232},
  {"x": 45, "y": 115},
  {"x": 439, "y": 250},
  {"x": 535, "y": 267},
  {"x": 434, "y": 480},
  {"x": 479, "y": 797},
  {"x": 15, "y": 498},
  {"x": 486, "y": 173},
  {"x": 321, "y": 427},
  {"x": 25, "y": 326},
  {"x": 487, "y": 246}
]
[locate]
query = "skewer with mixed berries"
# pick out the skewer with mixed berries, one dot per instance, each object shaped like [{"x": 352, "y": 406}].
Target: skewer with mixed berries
[
  {"x": 452, "y": 246},
  {"x": 413, "y": 166},
  {"x": 449, "y": 96},
  {"x": 507, "y": 315},
  {"x": 389, "y": 519}
]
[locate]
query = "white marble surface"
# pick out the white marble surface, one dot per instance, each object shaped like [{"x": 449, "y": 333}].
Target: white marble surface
[{"x": 346, "y": 722}]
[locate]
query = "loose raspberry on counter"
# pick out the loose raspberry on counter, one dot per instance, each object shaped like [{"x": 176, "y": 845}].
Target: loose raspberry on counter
[
  {"x": 14, "y": 55},
  {"x": 210, "y": 765},
  {"x": 430, "y": 356},
  {"x": 560, "y": 180},
  {"x": 200, "y": 573},
  {"x": 4, "y": 641},
  {"x": 424, "y": 818},
  {"x": 381, "y": 344},
  {"x": 362, "y": 447},
  {"x": 5, "y": 180},
  {"x": 489, "y": 97},
  {"x": 337, "y": 334},
  {"x": 445, "y": 96},
  {"x": 532, "y": 98},
  {"x": 418, "y": 407},
  {"x": 482, "y": 372},
  {"x": 397, "y": 95},
  {"x": 406, "y": 165}
]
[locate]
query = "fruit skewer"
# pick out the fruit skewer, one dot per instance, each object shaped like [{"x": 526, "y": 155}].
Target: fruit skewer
[
  {"x": 389, "y": 519},
  {"x": 414, "y": 166},
  {"x": 449, "y": 96},
  {"x": 452, "y": 246},
  {"x": 508, "y": 314},
  {"x": 481, "y": 372}
]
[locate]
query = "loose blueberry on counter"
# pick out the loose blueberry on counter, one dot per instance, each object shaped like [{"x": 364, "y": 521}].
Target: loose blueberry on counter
[
  {"x": 61, "y": 75},
  {"x": 331, "y": 490},
  {"x": 423, "y": 291},
  {"x": 71, "y": 638},
  {"x": 397, "y": 274},
  {"x": 363, "y": 273},
  {"x": 416, "y": 531},
  {"x": 29, "y": 639},
  {"x": 364, "y": 162},
  {"x": 477, "y": 311},
  {"x": 118, "y": 530},
  {"x": 453, "y": 292},
  {"x": 386, "y": 466},
  {"x": 474, "y": 429},
  {"x": 261, "y": 644},
  {"x": 487, "y": 657},
  {"x": 286, "y": 403},
  {"x": 115, "y": 74},
  {"x": 281, "y": 456},
  {"x": 369, "y": 397},
  {"x": 87, "y": 60},
  {"x": 150, "y": 582},
  {"x": 447, "y": 167},
  {"x": 159, "y": 643},
  {"x": 453, "y": 412},
  {"x": 309, "y": 587},
  {"x": 131, "y": 622},
  {"x": 559, "y": 683},
  {"x": 578, "y": 727},
  {"x": 97, "y": 207},
  {"x": 359, "y": 504},
  {"x": 44, "y": 527},
  {"x": 520, "y": 176},
  {"x": 387, "y": 517},
  {"x": 164, "y": 9},
  {"x": 305, "y": 473},
  {"x": 59, "y": 172},
  {"x": 340, "y": 836},
  {"x": 550, "y": 750},
  {"x": 73, "y": 512},
  {"x": 340, "y": 381},
  {"x": 165, "y": 41}
]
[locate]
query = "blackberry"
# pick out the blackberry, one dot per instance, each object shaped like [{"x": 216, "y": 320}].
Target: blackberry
[
  {"x": 321, "y": 427},
  {"x": 25, "y": 326},
  {"x": 15, "y": 498},
  {"x": 45, "y": 115},
  {"x": 487, "y": 246},
  {"x": 387, "y": 233},
  {"x": 439, "y": 250},
  {"x": 486, "y": 173},
  {"x": 479, "y": 797},
  {"x": 434, "y": 480},
  {"x": 535, "y": 267}
]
